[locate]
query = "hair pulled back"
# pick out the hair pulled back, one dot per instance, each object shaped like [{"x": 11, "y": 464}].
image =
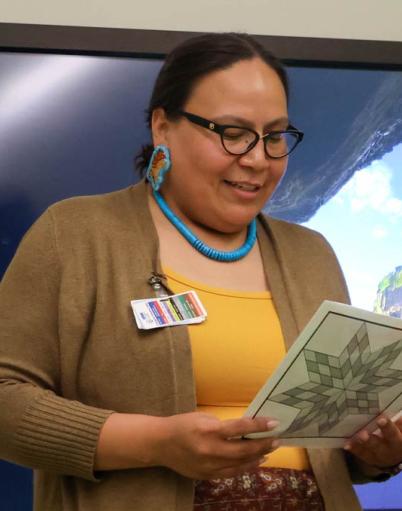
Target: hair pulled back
[{"x": 194, "y": 59}]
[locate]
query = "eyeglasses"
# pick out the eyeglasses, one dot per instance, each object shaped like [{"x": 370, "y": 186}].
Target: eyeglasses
[{"x": 238, "y": 140}]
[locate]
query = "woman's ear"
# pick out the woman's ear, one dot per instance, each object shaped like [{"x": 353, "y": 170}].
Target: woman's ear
[{"x": 160, "y": 127}]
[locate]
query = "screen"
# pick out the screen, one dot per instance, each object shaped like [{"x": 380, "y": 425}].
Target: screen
[{"x": 72, "y": 125}]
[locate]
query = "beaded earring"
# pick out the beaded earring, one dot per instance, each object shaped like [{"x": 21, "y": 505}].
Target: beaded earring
[{"x": 158, "y": 166}]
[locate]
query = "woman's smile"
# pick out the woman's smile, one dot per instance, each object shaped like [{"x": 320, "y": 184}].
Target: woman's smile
[{"x": 244, "y": 189}]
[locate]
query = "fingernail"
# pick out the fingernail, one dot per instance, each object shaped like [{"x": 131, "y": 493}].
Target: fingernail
[
  {"x": 347, "y": 446},
  {"x": 363, "y": 437},
  {"x": 272, "y": 424},
  {"x": 382, "y": 422},
  {"x": 275, "y": 444}
]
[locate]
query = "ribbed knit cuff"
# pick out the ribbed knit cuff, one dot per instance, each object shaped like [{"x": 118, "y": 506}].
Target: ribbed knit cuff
[{"x": 59, "y": 435}]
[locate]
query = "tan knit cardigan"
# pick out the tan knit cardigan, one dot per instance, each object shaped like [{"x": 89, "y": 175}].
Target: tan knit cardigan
[{"x": 70, "y": 351}]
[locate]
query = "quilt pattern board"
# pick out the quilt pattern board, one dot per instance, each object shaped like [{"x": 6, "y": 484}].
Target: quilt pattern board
[{"x": 342, "y": 372}]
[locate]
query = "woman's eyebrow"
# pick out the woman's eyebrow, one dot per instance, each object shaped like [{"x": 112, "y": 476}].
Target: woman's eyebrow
[
  {"x": 241, "y": 121},
  {"x": 280, "y": 122}
]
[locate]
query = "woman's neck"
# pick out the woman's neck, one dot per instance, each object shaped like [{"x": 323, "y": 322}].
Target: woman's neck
[{"x": 177, "y": 254}]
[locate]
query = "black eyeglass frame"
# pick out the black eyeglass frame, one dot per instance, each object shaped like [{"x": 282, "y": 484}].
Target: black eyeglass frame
[{"x": 220, "y": 129}]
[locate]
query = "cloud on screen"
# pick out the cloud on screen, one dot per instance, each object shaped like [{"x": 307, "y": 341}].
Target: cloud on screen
[{"x": 371, "y": 189}]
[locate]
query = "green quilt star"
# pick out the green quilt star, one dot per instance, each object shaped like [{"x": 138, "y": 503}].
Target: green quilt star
[{"x": 341, "y": 386}]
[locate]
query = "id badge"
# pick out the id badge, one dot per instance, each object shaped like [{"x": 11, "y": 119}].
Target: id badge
[{"x": 180, "y": 309}]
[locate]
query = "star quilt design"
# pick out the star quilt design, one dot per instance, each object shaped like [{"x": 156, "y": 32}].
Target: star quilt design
[{"x": 342, "y": 385}]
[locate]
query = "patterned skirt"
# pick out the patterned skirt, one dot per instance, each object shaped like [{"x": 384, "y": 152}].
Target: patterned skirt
[{"x": 266, "y": 489}]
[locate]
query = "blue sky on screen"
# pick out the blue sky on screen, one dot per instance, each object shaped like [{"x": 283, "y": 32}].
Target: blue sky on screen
[{"x": 363, "y": 223}]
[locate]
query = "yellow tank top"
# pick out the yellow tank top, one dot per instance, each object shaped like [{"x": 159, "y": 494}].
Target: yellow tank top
[{"x": 231, "y": 356}]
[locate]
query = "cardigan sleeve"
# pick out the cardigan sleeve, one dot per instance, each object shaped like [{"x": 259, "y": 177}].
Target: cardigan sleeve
[{"x": 39, "y": 428}]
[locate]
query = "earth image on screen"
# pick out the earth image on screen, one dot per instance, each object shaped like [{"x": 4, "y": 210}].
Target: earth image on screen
[{"x": 389, "y": 294}]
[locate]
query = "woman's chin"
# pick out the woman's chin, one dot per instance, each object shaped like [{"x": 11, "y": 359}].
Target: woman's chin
[
  {"x": 237, "y": 222},
  {"x": 233, "y": 225},
  {"x": 222, "y": 220}
]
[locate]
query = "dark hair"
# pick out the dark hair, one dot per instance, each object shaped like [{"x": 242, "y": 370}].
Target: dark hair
[{"x": 194, "y": 59}]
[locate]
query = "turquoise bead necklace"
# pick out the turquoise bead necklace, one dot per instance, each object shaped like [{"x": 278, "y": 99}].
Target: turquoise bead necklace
[{"x": 212, "y": 253}]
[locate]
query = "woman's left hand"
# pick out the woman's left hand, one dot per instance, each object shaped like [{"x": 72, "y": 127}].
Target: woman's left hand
[{"x": 381, "y": 449}]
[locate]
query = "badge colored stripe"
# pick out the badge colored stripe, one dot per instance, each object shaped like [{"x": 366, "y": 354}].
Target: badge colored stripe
[
  {"x": 179, "y": 305},
  {"x": 165, "y": 319},
  {"x": 155, "y": 313},
  {"x": 165, "y": 306},
  {"x": 179, "y": 314},
  {"x": 172, "y": 310},
  {"x": 193, "y": 310},
  {"x": 187, "y": 309},
  {"x": 151, "y": 314},
  {"x": 195, "y": 304}
]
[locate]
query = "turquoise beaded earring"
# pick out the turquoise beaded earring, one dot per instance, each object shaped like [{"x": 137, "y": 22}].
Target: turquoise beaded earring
[{"x": 158, "y": 166}]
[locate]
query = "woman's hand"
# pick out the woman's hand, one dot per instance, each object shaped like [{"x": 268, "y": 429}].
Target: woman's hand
[
  {"x": 196, "y": 445},
  {"x": 378, "y": 450},
  {"x": 200, "y": 446}
]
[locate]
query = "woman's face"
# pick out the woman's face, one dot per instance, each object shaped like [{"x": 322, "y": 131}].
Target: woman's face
[{"x": 207, "y": 186}]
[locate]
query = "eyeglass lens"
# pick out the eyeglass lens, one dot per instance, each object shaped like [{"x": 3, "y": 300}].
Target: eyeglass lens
[{"x": 240, "y": 140}]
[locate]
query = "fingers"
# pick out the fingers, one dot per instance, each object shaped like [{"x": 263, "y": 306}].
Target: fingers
[
  {"x": 378, "y": 449},
  {"x": 390, "y": 431},
  {"x": 240, "y": 469},
  {"x": 240, "y": 427},
  {"x": 398, "y": 423},
  {"x": 243, "y": 449},
  {"x": 201, "y": 446}
]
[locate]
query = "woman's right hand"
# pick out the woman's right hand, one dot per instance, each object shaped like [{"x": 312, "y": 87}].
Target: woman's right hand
[{"x": 200, "y": 446}]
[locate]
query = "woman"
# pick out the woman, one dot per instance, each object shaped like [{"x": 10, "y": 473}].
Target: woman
[{"x": 105, "y": 412}]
